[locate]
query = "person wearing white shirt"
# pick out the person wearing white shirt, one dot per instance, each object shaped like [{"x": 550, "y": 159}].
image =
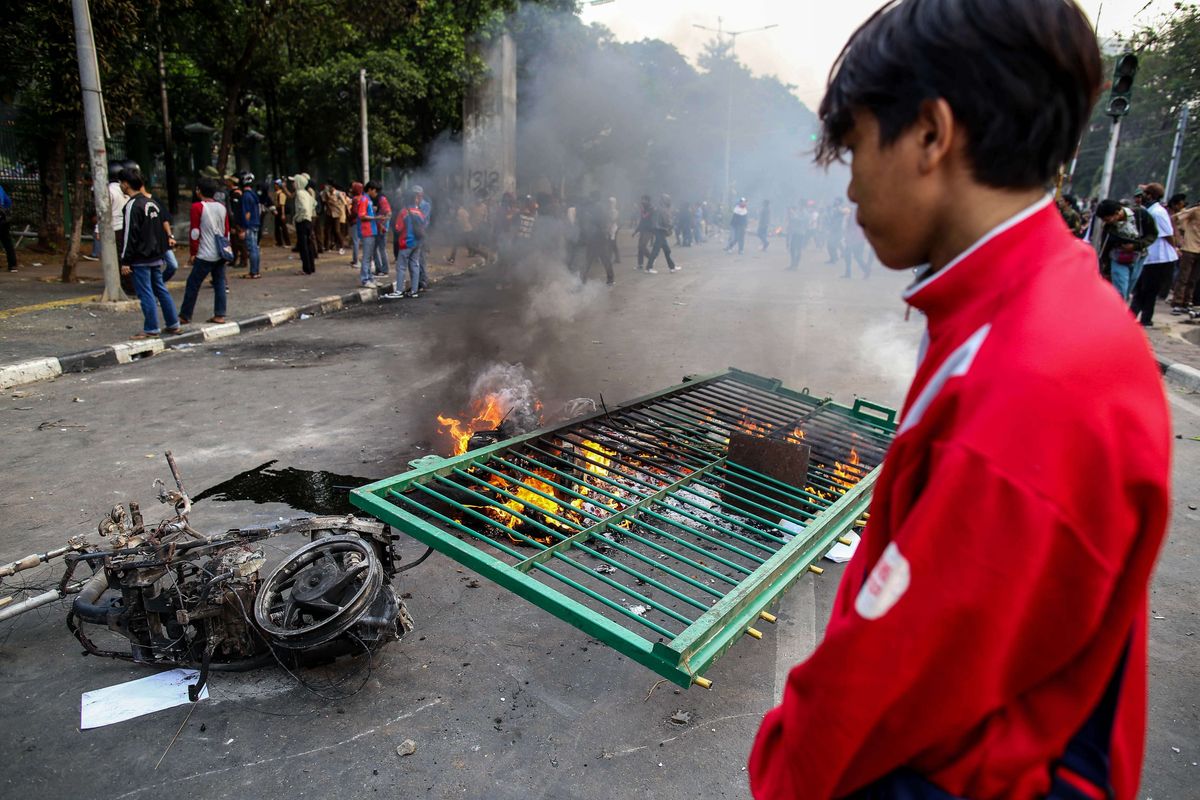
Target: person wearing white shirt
[
  {"x": 1160, "y": 259},
  {"x": 117, "y": 201}
]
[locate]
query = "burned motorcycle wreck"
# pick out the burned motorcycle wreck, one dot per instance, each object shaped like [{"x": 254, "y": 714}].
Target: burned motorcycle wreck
[{"x": 183, "y": 599}]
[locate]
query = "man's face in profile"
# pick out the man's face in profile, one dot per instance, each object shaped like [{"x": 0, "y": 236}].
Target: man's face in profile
[{"x": 885, "y": 184}]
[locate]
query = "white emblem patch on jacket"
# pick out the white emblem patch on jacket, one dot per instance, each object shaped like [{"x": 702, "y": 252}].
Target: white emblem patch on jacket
[{"x": 886, "y": 584}]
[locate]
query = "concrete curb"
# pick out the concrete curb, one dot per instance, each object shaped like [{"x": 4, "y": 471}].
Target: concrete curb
[
  {"x": 40, "y": 369},
  {"x": 1180, "y": 376}
]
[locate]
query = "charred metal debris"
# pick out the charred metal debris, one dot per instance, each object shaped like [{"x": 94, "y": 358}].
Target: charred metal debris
[{"x": 184, "y": 599}]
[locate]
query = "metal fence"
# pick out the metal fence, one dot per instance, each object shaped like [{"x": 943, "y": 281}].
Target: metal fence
[{"x": 19, "y": 176}]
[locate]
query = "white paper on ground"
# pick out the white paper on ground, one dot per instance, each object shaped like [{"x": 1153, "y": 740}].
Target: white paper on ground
[
  {"x": 841, "y": 553},
  {"x": 788, "y": 525},
  {"x": 135, "y": 698}
]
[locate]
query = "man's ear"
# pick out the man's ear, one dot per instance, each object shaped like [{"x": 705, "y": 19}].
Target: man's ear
[{"x": 936, "y": 133}]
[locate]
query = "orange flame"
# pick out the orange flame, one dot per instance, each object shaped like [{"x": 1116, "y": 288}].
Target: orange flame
[
  {"x": 595, "y": 463},
  {"x": 486, "y": 415},
  {"x": 527, "y": 503},
  {"x": 750, "y": 426}
]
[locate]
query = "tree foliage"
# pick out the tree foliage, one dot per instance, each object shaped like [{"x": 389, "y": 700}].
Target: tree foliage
[
  {"x": 593, "y": 111},
  {"x": 1168, "y": 78}
]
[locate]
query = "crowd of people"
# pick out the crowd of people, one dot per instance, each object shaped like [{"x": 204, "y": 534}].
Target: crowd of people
[
  {"x": 1148, "y": 246},
  {"x": 231, "y": 214}
]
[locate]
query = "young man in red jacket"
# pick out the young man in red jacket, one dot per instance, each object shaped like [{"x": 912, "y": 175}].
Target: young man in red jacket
[{"x": 989, "y": 637}]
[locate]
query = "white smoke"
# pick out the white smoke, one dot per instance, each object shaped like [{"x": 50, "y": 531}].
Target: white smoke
[{"x": 514, "y": 389}]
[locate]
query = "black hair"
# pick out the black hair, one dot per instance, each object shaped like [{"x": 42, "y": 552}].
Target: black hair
[
  {"x": 371, "y": 185},
  {"x": 1021, "y": 77},
  {"x": 1107, "y": 208},
  {"x": 207, "y": 187},
  {"x": 132, "y": 176},
  {"x": 1178, "y": 197}
]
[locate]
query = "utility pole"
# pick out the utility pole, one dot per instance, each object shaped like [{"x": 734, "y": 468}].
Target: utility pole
[
  {"x": 1110, "y": 159},
  {"x": 1177, "y": 150},
  {"x": 721, "y": 33},
  {"x": 362, "y": 113},
  {"x": 93, "y": 121}
]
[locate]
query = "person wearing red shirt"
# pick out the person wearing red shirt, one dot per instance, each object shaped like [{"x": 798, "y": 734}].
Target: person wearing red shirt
[{"x": 988, "y": 639}]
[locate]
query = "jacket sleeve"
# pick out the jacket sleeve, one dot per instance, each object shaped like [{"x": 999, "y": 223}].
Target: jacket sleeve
[
  {"x": 197, "y": 214},
  {"x": 133, "y": 232},
  {"x": 984, "y": 591},
  {"x": 1148, "y": 227}
]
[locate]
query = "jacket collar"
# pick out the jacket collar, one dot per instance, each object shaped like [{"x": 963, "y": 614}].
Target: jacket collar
[{"x": 981, "y": 269}]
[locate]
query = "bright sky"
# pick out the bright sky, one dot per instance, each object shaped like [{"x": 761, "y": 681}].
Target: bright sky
[{"x": 810, "y": 33}]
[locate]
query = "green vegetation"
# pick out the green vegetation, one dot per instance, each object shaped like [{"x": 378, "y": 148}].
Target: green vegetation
[{"x": 1168, "y": 78}]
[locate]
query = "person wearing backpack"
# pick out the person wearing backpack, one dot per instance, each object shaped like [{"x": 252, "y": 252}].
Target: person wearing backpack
[
  {"x": 1128, "y": 234},
  {"x": 143, "y": 253},
  {"x": 409, "y": 236},
  {"x": 209, "y": 251}
]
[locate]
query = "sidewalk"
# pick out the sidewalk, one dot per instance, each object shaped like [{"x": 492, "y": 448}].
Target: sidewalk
[
  {"x": 1176, "y": 343},
  {"x": 41, "y": 317}
]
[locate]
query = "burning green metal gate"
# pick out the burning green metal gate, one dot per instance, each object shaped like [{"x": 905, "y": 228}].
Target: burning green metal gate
[{"x": 636, "y": 527}]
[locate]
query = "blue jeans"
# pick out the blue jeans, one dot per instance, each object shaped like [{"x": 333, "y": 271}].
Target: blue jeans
[
  {"x": 170, "y": 266},
  {"x": 381, "y": 259},
  {"x": 252, "y": 250},
  {"x": 1125, "y": 276},
  {"x": 368, "y": 256},
  {"x": 200, "y": 271},
  {"x": 152, "y": 292},
  {"x": 410, "y": 263},
  {"x": 355, "y": 243},
  {"x": 423, "y": 256}
]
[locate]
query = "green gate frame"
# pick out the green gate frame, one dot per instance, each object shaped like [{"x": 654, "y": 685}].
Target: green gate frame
[{"x": 687, "y": 655}]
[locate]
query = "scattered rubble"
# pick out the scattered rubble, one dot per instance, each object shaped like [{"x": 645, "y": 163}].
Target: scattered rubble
[{"x": 681, "y": 717}]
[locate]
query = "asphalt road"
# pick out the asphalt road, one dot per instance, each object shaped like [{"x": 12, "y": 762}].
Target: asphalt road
[{"x": 501, "y": 699}]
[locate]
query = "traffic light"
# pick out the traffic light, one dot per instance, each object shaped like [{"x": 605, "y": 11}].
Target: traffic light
[{"x": 1122, "y": 85}]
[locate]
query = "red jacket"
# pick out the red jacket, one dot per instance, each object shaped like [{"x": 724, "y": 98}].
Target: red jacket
[{"x": 1012, "y": 536}]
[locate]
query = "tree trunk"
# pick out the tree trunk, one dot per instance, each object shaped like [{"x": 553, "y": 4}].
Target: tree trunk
[
  {"x": 52, "y": 157},
  {"x": 168, "y": 140},
  {"x": 233, "y": 96},
  {"x": 273, "y": 144},
  {"x": 79, "y": 190}
]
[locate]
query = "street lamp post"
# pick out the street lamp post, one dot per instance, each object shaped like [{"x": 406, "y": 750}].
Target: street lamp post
[
  {"x": 362, "y": 98},
  {"x": 721, "y": 33}
]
